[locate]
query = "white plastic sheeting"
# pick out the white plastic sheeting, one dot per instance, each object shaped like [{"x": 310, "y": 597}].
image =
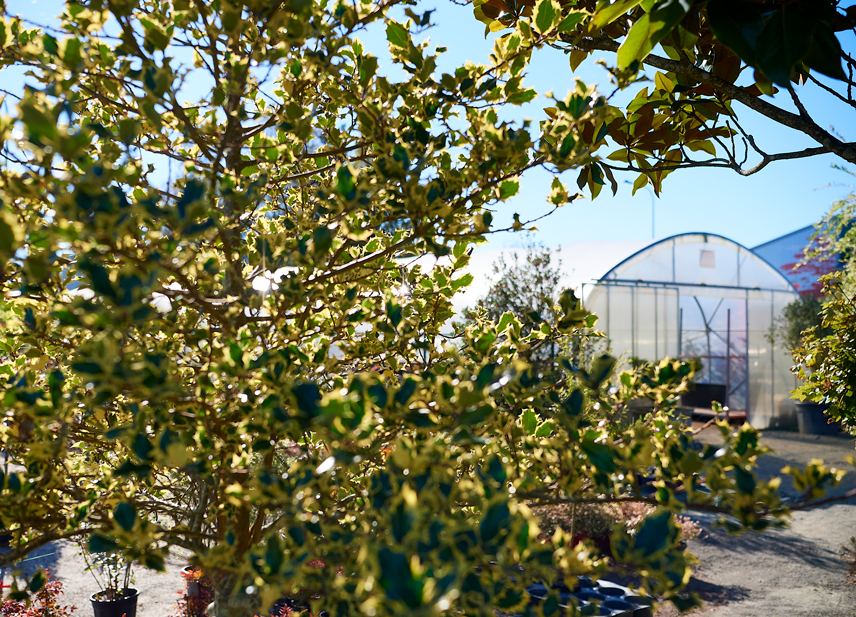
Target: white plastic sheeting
[
  {"x": 582, "y": 262},
  {"x": 692, "y": 295},
  {"x": 704, "y": 296}
]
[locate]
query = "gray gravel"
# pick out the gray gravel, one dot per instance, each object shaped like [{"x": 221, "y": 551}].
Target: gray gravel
[
  {"x": 799, "y": 571},
  {"x": 159, "y": 592}
]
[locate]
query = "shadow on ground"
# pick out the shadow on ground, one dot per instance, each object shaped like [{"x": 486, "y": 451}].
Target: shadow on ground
[
  {"x": 782, "y": 544},
  {"x": 45, "y": 557},
  {"x": 711, "y": 593}
]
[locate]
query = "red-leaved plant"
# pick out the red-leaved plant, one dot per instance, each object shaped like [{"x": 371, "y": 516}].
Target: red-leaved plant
[
  {"x": 198, "y": 594},
  {"x": 45, "y": 603}
]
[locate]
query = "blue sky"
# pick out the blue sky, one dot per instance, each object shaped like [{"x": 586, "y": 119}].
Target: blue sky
[{"x": 784, "y": 196}]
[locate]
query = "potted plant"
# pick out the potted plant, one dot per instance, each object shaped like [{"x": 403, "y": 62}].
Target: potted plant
[
  {"x": 197, "y": 583},
  {"x": 113, "y": 573},
  {"x": 198, "y": 594}
]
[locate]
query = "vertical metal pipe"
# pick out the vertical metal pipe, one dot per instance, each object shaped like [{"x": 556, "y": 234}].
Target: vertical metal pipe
[
  {"x": 680, "y": 328},
  {"x": 728, "y": 365},
  {"x": 633, "y": 320},
  {"x": 772, "y": 359},
  {"x": 656, "y": 328},
  {"x": 748, "y": 368},
  {"x": 607, "y": 311}
]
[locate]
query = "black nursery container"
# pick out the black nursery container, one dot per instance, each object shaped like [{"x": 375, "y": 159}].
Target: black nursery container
[
  {"x": 812, "y": 421},
  {"x": 126, "y": 606}
]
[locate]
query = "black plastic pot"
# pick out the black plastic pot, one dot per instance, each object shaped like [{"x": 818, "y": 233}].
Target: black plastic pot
[
  {"x": 192, "y": 586},
  {"x": 643, "y": 605},
  {"x": 812, "y": 421},
  {"x": 619, "y": 606},
  {"x": 126, "y": 606},
  {"x": 591, "y": 596}
]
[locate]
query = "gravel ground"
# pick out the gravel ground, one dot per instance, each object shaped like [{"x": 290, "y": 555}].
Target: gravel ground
[
  {"x": 159, "y": 591},
  {"x": 796, "y": 572}
]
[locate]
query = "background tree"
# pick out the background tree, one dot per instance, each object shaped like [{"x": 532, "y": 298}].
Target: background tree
[
  {"x": 797, "y": 317},
  {"x": 827, "y": 354},
  {"x": 218, "y": 358},
  {"x": 526, "y": 285}
]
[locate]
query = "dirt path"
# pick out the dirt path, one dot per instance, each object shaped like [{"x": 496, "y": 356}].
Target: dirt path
[{"x": 797, "y": 571}]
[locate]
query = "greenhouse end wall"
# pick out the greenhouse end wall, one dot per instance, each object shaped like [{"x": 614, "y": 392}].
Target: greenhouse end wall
[{"x": 707, "y": 297}]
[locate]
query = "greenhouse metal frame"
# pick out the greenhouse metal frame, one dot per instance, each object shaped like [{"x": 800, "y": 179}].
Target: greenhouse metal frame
[{"x": 701, "y": 295}]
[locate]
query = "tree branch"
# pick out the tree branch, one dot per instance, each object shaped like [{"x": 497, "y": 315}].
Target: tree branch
[{"x": 798, "y": 122}]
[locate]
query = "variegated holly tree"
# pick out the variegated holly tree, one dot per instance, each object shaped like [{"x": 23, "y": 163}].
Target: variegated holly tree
[{"x": 221, "y": 340}]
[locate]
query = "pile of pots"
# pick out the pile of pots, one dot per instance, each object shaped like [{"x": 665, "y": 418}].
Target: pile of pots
[{"x": 596, "y": 598}]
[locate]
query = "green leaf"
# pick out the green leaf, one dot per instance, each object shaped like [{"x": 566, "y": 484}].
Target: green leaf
[
  {"x": 508, "y": 189},
  {"x": 610, "y": 13},
  {"x": 546, "y": 14},
  {"x": 99, "y": 543},
  {"x": 650, "y": 29},
  {"x": 745, "y": 480},
  {"x": 398, "y": 580},
  {"x": 322, "y": 240},
  {"x": 377, "y": 394},
  {"x": 485, "y": 375},
  {"x": 545, "y": 430},
  {"x": 573, "y": 405},
  {"x": 655, "y": 533},
  {"x": 601, "y": 369},
  {"x": 783, "y": 42},
  {"x": 405, "y": 392},
  {"x": 274, "y": 556},
  {"x": 154, "y": 562},
  {"x": 396, "y": 35},
  {"x": 99, "y": 278},
  {"x": 346, "y": 184},
  {"x": 125, "y": 515},
  {"x": 737, "y": 26},
  {"x": 87, "y": 368},
  {"x": 308, "y": 398},
  {"x": 393, "y": 312},
  {"x": 572, "y": 20},
  {"x": 825, "y": 54},
  {"x": 522, "y": 96},
  {"x": 505, "y": 321},
  {"x": 11, "y": 234},
  {"x": 37, "y": 581},
  {"x": 599, "y": 454},
  {"x": 368, "y": 68},
  {"x": 463, "y": 281},
  {"x": 494, "y": 521},
  {"x": 529, "y": 421}
]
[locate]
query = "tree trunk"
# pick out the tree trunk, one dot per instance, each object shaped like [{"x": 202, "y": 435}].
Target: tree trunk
[{"x": 231, "y": 598}]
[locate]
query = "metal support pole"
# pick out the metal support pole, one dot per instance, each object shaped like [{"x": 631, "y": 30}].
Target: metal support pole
[
  {"x": 748, "y": 368},
  {"x": 728, "y": 365}
]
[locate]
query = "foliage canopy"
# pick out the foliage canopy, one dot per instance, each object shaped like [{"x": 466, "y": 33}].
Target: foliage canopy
[
  {"x": 241, "y": 360},
  {"x": 827, "y": 353},
  {"x": 702, "y": 65}
]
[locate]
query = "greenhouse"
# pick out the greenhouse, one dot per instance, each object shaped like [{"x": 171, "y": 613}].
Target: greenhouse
[{"x": 693, "y": 295}]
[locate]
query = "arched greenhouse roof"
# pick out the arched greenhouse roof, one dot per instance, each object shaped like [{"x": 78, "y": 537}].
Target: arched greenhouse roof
[
  {"x": 693, "y": 258},
  {"x": 697, "y": 258}
]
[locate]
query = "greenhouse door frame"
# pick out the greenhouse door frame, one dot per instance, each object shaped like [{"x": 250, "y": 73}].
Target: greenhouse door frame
[
  {"x": 731, "y": 354},
  {"x": 658, "y": 327}
]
